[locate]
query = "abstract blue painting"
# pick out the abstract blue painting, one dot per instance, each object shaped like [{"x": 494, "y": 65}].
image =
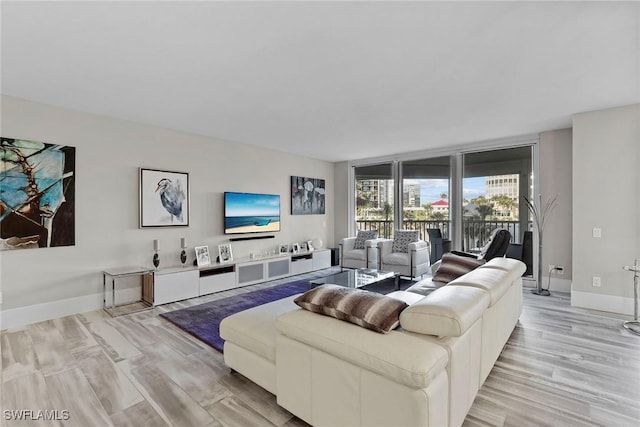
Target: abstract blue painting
[{"x": 37, "y": 194}]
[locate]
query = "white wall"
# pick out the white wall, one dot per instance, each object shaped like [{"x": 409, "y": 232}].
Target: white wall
[
  {"x": 108, "y": 155},
  {"x": 341, "y": 201},
  {"x": 606, "y": 194},
  {"x": 555, "y": 178}
]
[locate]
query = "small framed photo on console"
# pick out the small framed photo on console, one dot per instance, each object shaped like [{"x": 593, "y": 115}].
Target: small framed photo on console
[
  {"x": 304, "y": 246},
  {"x": 283, "y": 249},
  {"x": 295, "y": 248},
  {"x": 202, "y": 256},
  {"x": 310, "y": 245},
  {"x": 224, "y": 252}
]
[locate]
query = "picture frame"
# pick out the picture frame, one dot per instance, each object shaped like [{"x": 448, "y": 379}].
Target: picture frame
[
  {"x": 37, "y": 194},
  {"x": 224, "y": 253},
  {"x": 304, "y": 247},
  {"x": 283, "y": 249},
  {"x": 307, "y": 196},
  {"x": 164, "y": 198},
  {"x": 310, "y": 245},
  {"x": 202, "y": 256},
  {"x": 295, "y": 248}
]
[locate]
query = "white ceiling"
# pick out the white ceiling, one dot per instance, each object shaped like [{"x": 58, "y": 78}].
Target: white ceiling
[{"x": 328, "y": 80}]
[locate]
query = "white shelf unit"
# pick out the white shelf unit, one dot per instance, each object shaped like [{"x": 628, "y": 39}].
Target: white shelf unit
[
  {"x": 301, "y": 263},
  {"x": 217, "y": 279},
  {"x": 321, "y": 259},
  {"x": 278, "y": 268},
  {"x": 250, "y": 273},
  {"x": 176, "y": 284}
]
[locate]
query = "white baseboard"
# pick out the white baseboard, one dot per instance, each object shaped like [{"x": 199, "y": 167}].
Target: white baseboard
[
  {"x": 610, "y": 303},
  {"x": 556, "y": 285},
  {"x": 22, "y": 316}
]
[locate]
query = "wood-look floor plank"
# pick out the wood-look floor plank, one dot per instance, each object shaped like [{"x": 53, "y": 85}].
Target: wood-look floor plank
[
  {"x": 114, "y": 344},
  {"x": 139, "y": 415},
  {"x": 70, "y": 390},
  {"x": 256, "y": 398},
  {"x": 175, "y": 337},
  {"x": 18, "y": 355},
  {"x": 134, "y": 331},
  {"x": 196, "y": 379},
  {"x": 172, "y": 403},
  {"x": 27, "y": 392},
  {"x": 232, "y": 412},
  {"x": 93, "y": 316},
  {"x": 50, "y": 348},
  {"x": 111, "y": 385},
  {"x": 75, "y": 334}
]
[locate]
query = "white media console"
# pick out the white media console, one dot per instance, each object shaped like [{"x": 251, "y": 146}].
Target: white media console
[{"x": 179, "y": 283}]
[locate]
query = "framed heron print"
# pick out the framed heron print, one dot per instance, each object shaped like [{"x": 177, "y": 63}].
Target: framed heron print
[{"x": 164, "y": 198}]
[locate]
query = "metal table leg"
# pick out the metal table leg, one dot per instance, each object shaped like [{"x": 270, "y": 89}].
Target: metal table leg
[{"x": 633, "y": 326}]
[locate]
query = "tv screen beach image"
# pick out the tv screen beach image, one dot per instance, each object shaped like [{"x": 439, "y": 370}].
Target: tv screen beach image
[{"x": 251, "y": 213}]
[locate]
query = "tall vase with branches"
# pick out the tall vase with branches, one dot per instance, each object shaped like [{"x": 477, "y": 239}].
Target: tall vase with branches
[{"x": 540, "y": 214}]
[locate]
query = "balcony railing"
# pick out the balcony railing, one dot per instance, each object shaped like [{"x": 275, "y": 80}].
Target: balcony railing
[{"x": 475, "y": 233}]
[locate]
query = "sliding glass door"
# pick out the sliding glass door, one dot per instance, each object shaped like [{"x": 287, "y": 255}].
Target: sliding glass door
[
  {"x": 461, "y": 198},
  {"x": 493, "y": 185},
  {"x": 374, "y": 198},
  {"x": 426, "y": 194}
]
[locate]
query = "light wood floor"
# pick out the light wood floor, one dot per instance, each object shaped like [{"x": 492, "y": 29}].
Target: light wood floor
[{"x": 562, "y": 367}]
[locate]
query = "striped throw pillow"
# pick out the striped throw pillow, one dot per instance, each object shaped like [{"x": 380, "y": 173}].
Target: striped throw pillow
[
  {"x": 453, "y": 266},
  {"x": 370, "y": 310}
]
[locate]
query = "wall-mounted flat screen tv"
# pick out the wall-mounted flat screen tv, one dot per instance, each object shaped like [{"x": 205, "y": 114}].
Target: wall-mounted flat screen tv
[{"x": 251, "y": 213}]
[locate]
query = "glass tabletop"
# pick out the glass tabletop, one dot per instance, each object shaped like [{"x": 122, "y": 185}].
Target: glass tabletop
[{"x": 354, "y": 278}]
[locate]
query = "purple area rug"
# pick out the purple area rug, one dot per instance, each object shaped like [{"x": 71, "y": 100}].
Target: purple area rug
[{"x": 203, "y": 321}]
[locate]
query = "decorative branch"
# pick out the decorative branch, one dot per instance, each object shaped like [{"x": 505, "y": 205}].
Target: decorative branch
[{"x": 540, "y": 216}]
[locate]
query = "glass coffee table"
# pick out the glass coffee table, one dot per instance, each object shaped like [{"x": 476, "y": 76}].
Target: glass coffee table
[{"x": 357, "y": 278}]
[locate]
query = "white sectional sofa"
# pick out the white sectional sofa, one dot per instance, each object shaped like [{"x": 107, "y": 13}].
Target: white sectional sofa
[{"x": 427, "y": 372}]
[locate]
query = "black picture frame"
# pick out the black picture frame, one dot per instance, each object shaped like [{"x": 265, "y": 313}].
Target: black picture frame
[{"x": 164, "y": 198}]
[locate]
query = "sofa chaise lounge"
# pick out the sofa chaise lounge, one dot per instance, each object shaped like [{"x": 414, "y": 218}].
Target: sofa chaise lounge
[{"x": 427, "y": 372}]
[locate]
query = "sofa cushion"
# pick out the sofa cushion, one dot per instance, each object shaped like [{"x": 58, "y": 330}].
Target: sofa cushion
[
  {"x": 363, "y": 236},
  {"x": 408, "y": 297},
  {"x": 402, "y": 238},
  {"x": 401, "y": 356},
  {"x": 425, "y": 286},
  {"x": 254, "y": 329},
  {"x": 363, "y": 308},
  {"x": 453, "y": 266},
  {"x": 397, "y": 258},
  {"x": 516, "y": 267},
  {"x": 448, "y": 311},
  {"x": 495, "y": 281},
  {"x": 356, "y": 254}
]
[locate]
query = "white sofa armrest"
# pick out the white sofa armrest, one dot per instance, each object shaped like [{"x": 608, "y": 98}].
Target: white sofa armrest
[
  {"x": 420, "y": 252},
  {"x": 372, "y": 243},
  {"x": 385, "y": 246},
  {"x": 348, "y": 243}
]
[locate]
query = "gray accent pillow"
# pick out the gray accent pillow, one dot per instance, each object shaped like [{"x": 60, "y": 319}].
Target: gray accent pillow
[
  {"x": 363, "y": 236},
  {"x": 402, "y": 238},
  {"x": 453, "y": 266},
  {"x": 370, "y": 310}
]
